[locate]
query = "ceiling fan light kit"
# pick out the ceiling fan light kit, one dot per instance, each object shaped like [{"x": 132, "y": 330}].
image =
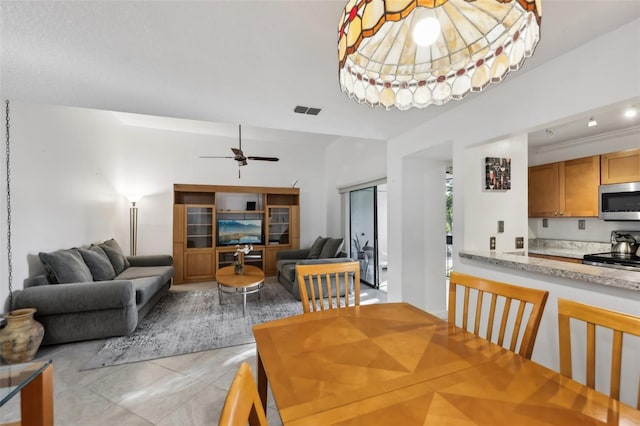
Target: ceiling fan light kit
[
  {"x": 414, "y": 53},
  {"x": 239, "y": 156}
]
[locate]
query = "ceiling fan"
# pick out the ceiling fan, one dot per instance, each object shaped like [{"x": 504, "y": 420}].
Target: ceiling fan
[{"x": 239, "y": 156}]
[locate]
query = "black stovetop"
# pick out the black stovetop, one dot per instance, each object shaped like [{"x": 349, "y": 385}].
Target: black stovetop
[{"x": 614, "y": 258}]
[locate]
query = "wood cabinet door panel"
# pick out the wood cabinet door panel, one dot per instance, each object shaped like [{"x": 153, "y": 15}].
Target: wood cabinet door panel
[
  {"x": 544, "y": 190},
  {"x": 199, "y": 265},
  {"x": 580, "y": 187},
  {"x": 621, "y": 167}
]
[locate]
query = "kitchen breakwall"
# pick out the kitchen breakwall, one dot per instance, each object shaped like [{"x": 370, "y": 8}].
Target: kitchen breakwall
[{"x": 596, "y": 230}]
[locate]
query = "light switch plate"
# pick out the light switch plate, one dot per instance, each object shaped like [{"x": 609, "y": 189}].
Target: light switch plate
[
  {"x": 545, "y": 223},
  {"x": 519, "y": 242},
  {"x": 500, "y": 226},
  {"x": 492, "y": 243},
  {"x": 582, "y": 224}
]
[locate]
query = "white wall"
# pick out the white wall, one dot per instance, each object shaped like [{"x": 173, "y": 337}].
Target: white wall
[
  {"x": 553, "y": 91},
  {"x": 71, "y": 168},
  {"x": 351, "y": 162},
  {"x": 481, "y": 221}
]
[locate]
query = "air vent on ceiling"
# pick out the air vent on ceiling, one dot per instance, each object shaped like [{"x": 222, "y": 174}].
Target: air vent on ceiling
[{"x": 306, "y": 110}]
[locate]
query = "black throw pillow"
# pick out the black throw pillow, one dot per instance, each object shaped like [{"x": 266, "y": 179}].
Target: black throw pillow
[
  {"x": 316, "y": 248},
  {"x": 98, "y": 263}
]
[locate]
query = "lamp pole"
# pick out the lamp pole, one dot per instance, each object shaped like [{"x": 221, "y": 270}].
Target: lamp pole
[{"x": 133, "y": 228}]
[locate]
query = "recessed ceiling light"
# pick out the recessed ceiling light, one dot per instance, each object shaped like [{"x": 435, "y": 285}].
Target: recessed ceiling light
[
  {"x": 630, "y": 112},
  {"x": 592, "y": 122}
]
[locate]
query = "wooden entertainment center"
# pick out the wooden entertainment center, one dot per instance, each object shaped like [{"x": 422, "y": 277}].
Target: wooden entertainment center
[{"x": 198, "y": 252}]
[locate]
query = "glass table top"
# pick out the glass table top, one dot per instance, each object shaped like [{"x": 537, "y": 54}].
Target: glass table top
[{"x": 14, "y": 377}]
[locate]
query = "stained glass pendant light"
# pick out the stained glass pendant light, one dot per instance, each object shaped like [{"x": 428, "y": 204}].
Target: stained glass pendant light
[{"x": 414, "y": 53}]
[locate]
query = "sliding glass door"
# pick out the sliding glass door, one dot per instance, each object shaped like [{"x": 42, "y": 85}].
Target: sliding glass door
[{"x": 368, "y": 233}]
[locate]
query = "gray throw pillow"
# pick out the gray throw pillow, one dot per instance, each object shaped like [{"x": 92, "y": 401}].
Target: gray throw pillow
[
  {"x": 98, "y": 263},
  {"x": 65, "y": 266},
  {"x": 316, "y": 248},
  {"x": 115, "y": 255},
  {"x": 331, "y": 248}
]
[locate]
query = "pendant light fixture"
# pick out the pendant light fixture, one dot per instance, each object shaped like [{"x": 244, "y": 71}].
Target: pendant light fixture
[{"x": 415, "y": 53}]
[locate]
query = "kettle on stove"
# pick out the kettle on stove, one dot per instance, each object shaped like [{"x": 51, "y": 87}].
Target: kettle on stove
[{"x": 623, "y": 243}]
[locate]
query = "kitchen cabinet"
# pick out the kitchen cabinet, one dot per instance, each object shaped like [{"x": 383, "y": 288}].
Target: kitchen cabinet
[
  {"x": 620, "y": 167},
  {"x": 565, "y": 189}
]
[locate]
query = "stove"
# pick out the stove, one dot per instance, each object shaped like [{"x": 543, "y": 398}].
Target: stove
[{"x": 629, "y": 262}]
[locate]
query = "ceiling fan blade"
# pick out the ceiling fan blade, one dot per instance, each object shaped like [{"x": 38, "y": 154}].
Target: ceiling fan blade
[
  {"x": 264, "y": 158},
  {"x": 213, "y": 156},
  {"x": 237, "y": 152}
]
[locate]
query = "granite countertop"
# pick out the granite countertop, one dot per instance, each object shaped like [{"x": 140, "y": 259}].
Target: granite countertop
[
  {"x": 576, "y": 271},
  {"x": 566, "y": 248}
]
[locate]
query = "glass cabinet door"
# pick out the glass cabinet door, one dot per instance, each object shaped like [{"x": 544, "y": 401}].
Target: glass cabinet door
[
  {"x": 278, "y": 226},
  {"x": 199, "y": 227}
]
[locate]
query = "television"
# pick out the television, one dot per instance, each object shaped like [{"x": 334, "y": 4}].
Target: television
[{"x": 239, "y": 231}]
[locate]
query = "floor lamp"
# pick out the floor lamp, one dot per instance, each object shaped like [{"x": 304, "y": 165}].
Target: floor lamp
[{"x": 133, "y": 225}]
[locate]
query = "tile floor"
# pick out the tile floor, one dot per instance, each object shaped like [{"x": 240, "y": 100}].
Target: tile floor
[{"x": 181, "y": 390}]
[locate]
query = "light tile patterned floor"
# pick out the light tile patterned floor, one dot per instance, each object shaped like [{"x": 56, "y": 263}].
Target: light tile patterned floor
[{"x": 181, "y": 390}]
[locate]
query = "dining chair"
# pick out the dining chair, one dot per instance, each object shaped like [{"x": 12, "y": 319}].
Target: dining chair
[
  {"x": 618, "y": 322},
  {"x": 509, "y": 319},
  {"x": 322, "y": 285},
  {"x": 243, "y": 402}
]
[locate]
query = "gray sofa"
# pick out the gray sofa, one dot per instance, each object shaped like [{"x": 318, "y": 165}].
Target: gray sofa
[
  {"x": 323, "y": 250},
  {"x": 73, "y": 306}
]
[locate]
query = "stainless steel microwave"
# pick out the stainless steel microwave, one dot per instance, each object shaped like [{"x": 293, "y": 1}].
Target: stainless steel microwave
[{"x": 619, "y": 201}]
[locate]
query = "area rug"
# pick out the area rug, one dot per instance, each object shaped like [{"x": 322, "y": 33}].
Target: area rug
[{"x": 192, "y": 321}]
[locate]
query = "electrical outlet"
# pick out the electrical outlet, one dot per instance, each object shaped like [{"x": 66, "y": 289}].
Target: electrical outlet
[
  {"x": 519, "y": 242},
  {"x": 492, "y": 243},
  {"x": 545, "y": 223},
  {"x": 582, "y": 224},
  {"x": 500, "y": 226}
]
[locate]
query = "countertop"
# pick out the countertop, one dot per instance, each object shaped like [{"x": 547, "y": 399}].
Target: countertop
[{"x": 576, "y": 271}]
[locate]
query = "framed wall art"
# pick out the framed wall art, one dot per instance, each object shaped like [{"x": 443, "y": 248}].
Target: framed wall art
[{"x": 497, "y": 174}]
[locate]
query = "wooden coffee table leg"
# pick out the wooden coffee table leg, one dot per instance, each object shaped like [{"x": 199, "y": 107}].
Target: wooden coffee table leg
[{"x": 36, "y": 400}]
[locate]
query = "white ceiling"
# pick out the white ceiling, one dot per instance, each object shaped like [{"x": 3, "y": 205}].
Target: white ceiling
[{"x": 247, "y": 62}]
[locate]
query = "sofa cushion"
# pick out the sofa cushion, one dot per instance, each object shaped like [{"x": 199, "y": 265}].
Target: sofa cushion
[
  {"x": 65, "y": 266},
  {"x": 316, "y": 247},
  {"x": 331, "y": 248},
  {"x": 115, "y": 255},
  {"x": 146, "y": 288},
  {"x": 98, "y": 263},
  {"x": 134, "y": 272}
]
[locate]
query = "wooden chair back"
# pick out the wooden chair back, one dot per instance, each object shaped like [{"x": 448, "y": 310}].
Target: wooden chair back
[
  {"x": 323, "y": 283},
  {"x": 618, "y": 322},
  {"x": 243, "y": 404},
  {"x": 510, "y": 293}
]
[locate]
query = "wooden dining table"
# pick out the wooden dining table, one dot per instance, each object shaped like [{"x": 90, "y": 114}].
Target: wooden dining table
[{"x": 394, "y": 364}]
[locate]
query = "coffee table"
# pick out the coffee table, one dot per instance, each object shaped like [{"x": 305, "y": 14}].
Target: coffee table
[{"x": 251, "y": 281}]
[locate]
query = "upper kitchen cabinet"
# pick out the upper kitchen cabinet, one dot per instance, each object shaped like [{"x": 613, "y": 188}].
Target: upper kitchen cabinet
[
  {"x": 544, "y": 190},
  {"x": 565, "y": 189},
  {"x": 621, "y": 167}
]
